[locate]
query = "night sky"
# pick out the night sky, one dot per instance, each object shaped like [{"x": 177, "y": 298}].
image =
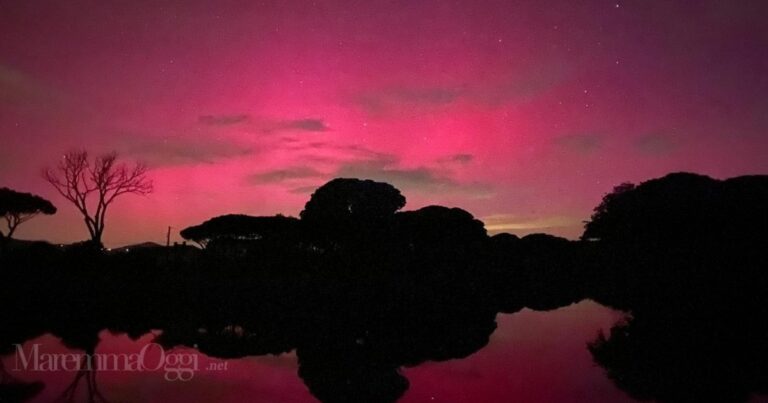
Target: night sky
[{"x": 522, "y": 112}]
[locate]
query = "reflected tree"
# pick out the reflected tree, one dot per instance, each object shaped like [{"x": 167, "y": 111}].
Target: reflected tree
[
  {"x": 360, "y": 290},
  {"x": 685, "y": 255}
]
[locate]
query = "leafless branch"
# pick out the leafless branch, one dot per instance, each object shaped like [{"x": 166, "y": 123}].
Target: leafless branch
[{"x": 92, "y": 185}]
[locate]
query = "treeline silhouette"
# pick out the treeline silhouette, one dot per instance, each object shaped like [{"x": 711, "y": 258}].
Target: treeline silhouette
[
  {"x": 688, "y": 257},
  {"x": 360, "y": 289}
]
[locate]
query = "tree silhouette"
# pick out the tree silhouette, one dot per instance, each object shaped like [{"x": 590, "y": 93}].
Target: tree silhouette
[
  {"x": 346, "y": 210},
  {"x": 360, "y": 291},
  {"x": 685, "y": 255},
  {"x": 242, "y": 227},
  {"x": 604, "y": 215},
  {"x": 538, "y": 271},
  {"x": 343, "y": 199},
  {"x": 17, "y": 208},
  {"x": 92, "y": 186}
]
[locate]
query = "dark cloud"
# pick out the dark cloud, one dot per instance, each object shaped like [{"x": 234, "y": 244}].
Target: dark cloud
[
  {"x": 266, "y": 125},
  {"x": 223, "y": 120},
  {"x": 383, "y": 100},
  {"x": 33, "y": 98},
  {"x": 7, "y": 159},
  {"x": 355, "y": 161},
  {"x": 331, "y": 153},
  {"x": 583, "y": 143},
  {"x": 165, "y": 151},
  {"x": 519, "y": 87},
  {"x": 304, "y": 190},
  {"x": 283, "y": 175},
  {"x": 295, "y": 125},
  {"x": 656, "y": 143},
  {"x": 464, "y": 158},
  {"x": 17, "y": 87},
  {"x": 419, "y": 179},
  {"x": 459, "y": 158},
  {"x": 309, "y": 125},
  {"x": 409, "y": 98}
]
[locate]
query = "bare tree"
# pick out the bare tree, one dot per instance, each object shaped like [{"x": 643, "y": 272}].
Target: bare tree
[{"x": 92, "y": 185}]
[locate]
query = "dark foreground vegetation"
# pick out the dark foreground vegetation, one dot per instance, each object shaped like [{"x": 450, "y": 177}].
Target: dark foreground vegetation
[{"x": 360, "y": 289}]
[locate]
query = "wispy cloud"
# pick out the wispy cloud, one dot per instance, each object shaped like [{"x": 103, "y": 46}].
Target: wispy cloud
[
  {"x": 223, "y": 120},
  {"x": 24, "y": 91},
  {"x": 656, "y": 143},
  {"x": 265, "y": 124},
  {"x": 520, "y": 87},
  {"x": 285, "y": 175},
  {"x": 300, "y": 125},
  {"x": 353, "y": 161},
  {"x": 458, "y": 159},
  {"x": 304, "y": 190},
  {"x": 583, "y": 143},
  {"x": 383, "y": 100},
  {"x": 419, "y": 179},
  {"x": 409, "y": 98},
  {"x": 180, "y": 150}
]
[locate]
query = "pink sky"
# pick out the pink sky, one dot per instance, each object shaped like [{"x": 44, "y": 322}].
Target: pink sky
[{"x": 522, "y": 112}]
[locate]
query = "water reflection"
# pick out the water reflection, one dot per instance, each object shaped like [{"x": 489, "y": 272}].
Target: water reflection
[
  {"x": 686, "y": 255},
  {"x": 547, "y": 362},
  {"x": 360, "y": 293}
]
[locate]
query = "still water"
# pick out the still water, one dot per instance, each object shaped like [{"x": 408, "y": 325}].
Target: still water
[{"x": 532, "y": 357}]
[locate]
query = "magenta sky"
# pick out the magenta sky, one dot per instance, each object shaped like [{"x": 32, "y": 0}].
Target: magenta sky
[{"x": 522, "y": 112}]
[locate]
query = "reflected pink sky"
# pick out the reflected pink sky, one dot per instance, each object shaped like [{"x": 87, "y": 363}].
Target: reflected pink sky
[
  {"x": 522, "y": 112},
  {"x": 532, "y": 357}
]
